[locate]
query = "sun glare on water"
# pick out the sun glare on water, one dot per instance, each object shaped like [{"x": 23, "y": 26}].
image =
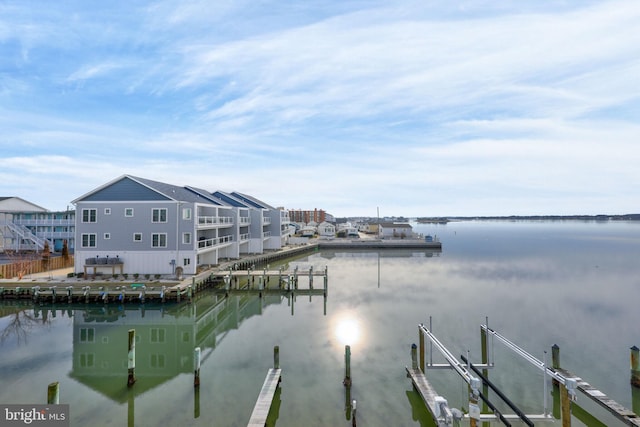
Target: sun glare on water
[{"x": 347, "y": 331}]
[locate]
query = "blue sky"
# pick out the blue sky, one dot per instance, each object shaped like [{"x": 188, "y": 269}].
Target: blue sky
[{"x": 420, "y": 108}]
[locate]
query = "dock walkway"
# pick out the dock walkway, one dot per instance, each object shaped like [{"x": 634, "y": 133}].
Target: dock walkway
[{"x": 265, "y": 398}]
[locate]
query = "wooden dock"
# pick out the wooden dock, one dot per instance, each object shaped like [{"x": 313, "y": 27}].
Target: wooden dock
[
  {"x": 623, "y": 414},
  {"x": 428, "y": 394},
  {"x": 265, "y": 398}
]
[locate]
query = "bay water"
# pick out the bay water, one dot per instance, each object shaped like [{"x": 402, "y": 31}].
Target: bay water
[{"x": 571, "y": 283}]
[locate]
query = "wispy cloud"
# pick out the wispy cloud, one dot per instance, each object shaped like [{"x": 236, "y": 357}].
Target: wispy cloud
[{"x": 426, "y": 107}]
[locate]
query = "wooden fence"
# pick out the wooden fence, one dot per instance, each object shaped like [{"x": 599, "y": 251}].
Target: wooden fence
[{"x": 20, "y": 268}]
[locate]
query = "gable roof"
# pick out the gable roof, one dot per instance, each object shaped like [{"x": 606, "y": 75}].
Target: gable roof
[
  {"x": 131, "y": 188},
  {"x": 394, "y": 225},
  {"x": 252, "y": 201}
]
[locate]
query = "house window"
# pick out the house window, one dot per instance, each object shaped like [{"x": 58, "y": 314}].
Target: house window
[
  {"x": 186, "y": 238},
  {"x": 159, "y": 215},
  {"x": 159, "y": 240},
  {"x": 186, "y": 261},
  {"x": 157, "y": 335},
  {"x": 89, "y": 215},
  {"x": 107, "y": 211},
  {"x": 89, "y": 240},
  {"x": 137, "y": 237},
  {"x": 87, "y": 334},
  {"x": 87, "y": 360},
  {"x": 186, "y": 213},
  {"x": 157, "y": 361},
  {"x": 128, "y": 211},
  {"x": 107, "y": 236}
]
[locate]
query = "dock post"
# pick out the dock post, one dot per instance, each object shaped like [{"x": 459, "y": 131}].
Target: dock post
[
  {"x": 53, "y": 294},
  {"x": 276, "y": 357},
  {"x": 196, "y": 363},
  {"x": 190, "y": 293},
  {"x": 565, "y": 406},
  {"x": 484, "y": 348},
  {"x": 69, "y": 294},
  {"x": 635, "y": 366},
  {"x": 326, "y": 279},
  {"x": 353, "y": 413},
  {"x": 163, "y": 293},
  {"x": 347, "y": 366},
  {"x": 131, "y": 358},
  {"x": 414, "y": 356},
  {"x": 421, "y": 341},
  {"x": 53, "y": 393},
  {"x": 311, "y": 277}
]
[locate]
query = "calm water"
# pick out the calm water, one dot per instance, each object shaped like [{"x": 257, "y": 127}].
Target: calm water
[{"x": 573, "y": 284}]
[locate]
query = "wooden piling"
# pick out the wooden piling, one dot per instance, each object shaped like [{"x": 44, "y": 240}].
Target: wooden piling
[
  {"x": 353, "y": 413},
  {"x": 131, "y": 358},
  {"x": 347, "y": 366},
  {"x": 196, "y": 363},
  {"x": 53, "y": 393},
  {"x": 635, "y": 366},
  {"x": 276, "y": 357},
  {"x": 414, "y": 356},
  {"x": 565, "y": 406}
]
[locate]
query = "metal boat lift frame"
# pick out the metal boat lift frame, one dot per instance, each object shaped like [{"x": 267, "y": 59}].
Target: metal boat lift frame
[{"x": 464, "y": 370}]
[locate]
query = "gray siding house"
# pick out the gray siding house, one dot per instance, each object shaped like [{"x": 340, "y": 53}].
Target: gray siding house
[{"x": 150, "y": 227}]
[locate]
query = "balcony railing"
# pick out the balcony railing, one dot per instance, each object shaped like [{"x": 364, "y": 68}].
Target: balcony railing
[
  {"x": 215, "y": 241},
  {"x": 44, "y": 222},
  {"x": 215, "y": 220},
  {"x": 266, "y": 234},
  {"x": 266, "y": 220},
  {"x": 245, "y": 220},
  {"x": 245, "y": 236}
]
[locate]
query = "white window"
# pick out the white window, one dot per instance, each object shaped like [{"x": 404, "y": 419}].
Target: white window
[
  {"x": 186, "y": 213},
  {"x": 186, "y": 238},
  {"x": 157, "y": 361},
  {"x": 89, "y": 215},
  {"x": 137, "y": 237},
  {"x": 159, "y": 215},
  {"x": 87, "y": 360},
  {"x": 159, "y": 240},
  {"x": 107, "y": 211},
  {"x": 89, "y": 240},
  {"x": 186, "y": 261},
  {"x": 128, "y": 211},
  {"x": 107, "y": 236},
  {"x": 157, "y": 335},
  {"x": 87, "y": 334}
]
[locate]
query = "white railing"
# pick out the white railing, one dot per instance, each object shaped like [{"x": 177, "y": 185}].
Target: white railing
[
  {"x": 245, "y": 236},
  {"x": 44, "y": 222},
  {"x": 245, "y": 220},
  {"x": 214, "y": 220},
  {"x": 266, "y": 234},
  {"x": 266, "y": 220},
  {"x": 215, "y": 241}
]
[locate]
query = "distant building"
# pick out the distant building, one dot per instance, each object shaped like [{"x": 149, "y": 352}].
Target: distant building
[
  {"x": 303, "y": 216},
  {"x": 390, "y": 230},
  {"x": 25, "y": 226}
]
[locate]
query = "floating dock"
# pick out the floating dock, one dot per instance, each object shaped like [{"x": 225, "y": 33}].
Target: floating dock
[{"x": 265, "y": 398}]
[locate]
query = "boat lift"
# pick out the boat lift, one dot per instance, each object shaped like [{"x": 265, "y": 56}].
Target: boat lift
[{"x": 475, "y": 379}]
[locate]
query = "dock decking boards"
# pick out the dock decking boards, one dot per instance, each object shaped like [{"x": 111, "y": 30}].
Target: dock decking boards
[{"x": 265, "y": 398}]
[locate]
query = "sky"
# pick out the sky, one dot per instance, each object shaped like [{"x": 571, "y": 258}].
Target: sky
[{"x": 402, "y": 107}]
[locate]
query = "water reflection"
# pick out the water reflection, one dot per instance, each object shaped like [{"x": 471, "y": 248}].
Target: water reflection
[{"x": 347, "y": 329}]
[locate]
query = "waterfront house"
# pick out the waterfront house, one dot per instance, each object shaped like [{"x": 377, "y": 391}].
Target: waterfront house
[
  {"x": 326, "y": 229},
  {"x": 150, "y": 227},
  {"x": 390, "y": 230},
  {"x": 25, "y": 226}
]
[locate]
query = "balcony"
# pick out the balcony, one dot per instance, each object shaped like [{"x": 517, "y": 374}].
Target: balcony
[
  {"x": 266, "y": 220},
  {"x": 213, "y": 242},
  {"x": 214, "y": 221},
  {"x": 245, "y": 220}
]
